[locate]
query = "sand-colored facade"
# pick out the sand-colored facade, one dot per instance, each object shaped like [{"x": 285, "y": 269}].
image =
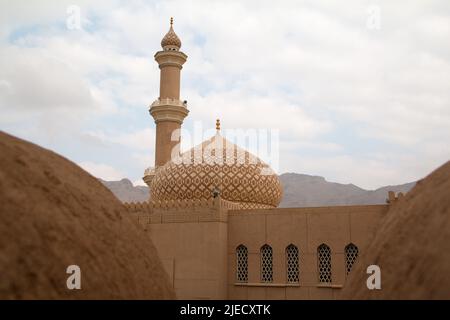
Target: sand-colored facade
[
  {"x": 306, "y": 229},
  {"x": 198, "y": 241}
]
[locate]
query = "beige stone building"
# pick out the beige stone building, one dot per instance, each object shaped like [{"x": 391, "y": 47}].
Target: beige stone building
[{"x": 214, "y": 220}]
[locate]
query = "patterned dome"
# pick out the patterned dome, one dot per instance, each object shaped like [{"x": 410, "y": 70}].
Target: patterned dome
[
  {"x": 171, "y": 40},
  {"x": 218, "y": 165}
]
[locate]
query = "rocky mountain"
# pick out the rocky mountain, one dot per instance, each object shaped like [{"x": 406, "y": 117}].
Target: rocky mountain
[
  {"x": 126, "y": 192},
  {"x": 300, "y": 190}
]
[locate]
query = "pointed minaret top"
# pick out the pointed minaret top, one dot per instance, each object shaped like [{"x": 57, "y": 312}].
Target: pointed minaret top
[{"x": 171, "y": 40}]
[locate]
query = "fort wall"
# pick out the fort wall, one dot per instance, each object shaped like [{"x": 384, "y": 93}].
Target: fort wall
[{"x": 197, "y": 241}]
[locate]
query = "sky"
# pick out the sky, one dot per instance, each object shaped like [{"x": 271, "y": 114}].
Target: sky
[{"x": 356, "y": 92}]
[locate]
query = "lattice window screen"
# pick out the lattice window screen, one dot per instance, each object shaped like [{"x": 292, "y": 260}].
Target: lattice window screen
[
  {"x": 266, "y": 264},
  {"x": 292, "y": 264},
  {"x": 324, "y": 263},
  {"x": 242, "y": 264},
  {"x": 351, "y": 254}
]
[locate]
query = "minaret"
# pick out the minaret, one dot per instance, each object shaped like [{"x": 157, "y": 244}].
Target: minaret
[{"x": 168, "y": 111}]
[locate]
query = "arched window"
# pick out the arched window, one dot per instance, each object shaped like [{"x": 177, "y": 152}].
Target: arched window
[
  {"x": 324, "y": 263},
  {"x": 241, "y": 263},
  {"x": 351, "y": 253},
  {"x": 266, "y": 263},
  {"x": 292, "y": 264}
]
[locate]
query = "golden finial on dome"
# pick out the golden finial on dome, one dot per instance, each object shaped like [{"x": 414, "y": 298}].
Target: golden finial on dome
[
  {"x": 218, "y": 124},
  {"x": 171, "y": 20}
]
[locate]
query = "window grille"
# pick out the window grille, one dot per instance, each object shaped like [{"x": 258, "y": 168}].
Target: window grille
[
  {"x": 242, "y": 263},
  {"x": 324, "y": 263},
  {"x": 266, "y": 264},
  {"x": 292, "y": 258},
  {"x": 351, "y": 254}
]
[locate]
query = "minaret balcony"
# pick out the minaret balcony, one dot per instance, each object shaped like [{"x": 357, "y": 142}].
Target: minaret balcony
[
  {"x": 168, "y": 109},
  {"x": 170, "y": 58},
  {"x": 169, "y": 102}
]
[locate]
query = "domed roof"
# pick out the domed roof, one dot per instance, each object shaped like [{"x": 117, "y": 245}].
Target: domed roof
[
  {"x": 171, "y": 40},
  {"x": 218, "y": 165}
]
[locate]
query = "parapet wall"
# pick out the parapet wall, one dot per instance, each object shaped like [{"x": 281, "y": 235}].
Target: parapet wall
[
  {"x": 150, "y": 206},
  {"x": 181, "y": 210},
  {"x": 216, "y": 209}
]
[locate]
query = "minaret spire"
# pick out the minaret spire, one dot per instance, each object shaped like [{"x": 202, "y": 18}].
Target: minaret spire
[
  {"x": 168, "y": 110},
  {"x": 171, "y": 42}
]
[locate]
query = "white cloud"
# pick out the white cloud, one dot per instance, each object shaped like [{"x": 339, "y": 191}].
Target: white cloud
[
  {"x": 102, "y": 171},
  {"x": 141, "y": 139},
  {"x": 238, "y": 109},
  {"x": 35, "y": 82},
  {"x": 339, "y": 93}
]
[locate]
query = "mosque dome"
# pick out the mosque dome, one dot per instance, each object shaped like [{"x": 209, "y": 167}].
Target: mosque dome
[
  {"x": 171, "y": 40},
  {"x": 218, "y": 166}
]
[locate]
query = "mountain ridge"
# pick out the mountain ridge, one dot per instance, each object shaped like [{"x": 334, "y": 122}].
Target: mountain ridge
[{"x": 300, "y": 190}]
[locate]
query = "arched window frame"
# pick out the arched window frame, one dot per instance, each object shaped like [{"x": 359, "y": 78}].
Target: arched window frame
[
  {"x": 241, "y": 263},
  {"x": 351, "y": 255},
  {"x": 324, "y": 266},
  {"x": 266, "y": 254},
  {"x": 292, "y": 264}
]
